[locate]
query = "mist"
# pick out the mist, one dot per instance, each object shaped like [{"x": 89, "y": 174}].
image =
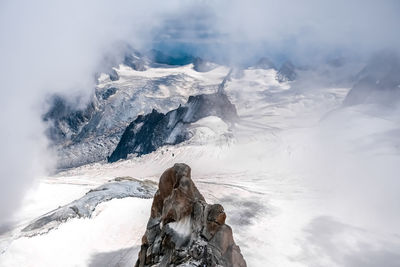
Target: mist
[
  {"x": 306, "y": 32},
  {"x": 52, "y": 47}
]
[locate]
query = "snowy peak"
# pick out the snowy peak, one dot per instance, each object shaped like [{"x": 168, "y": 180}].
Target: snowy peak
[
  {"x": 217, "y": 104},
  {"x": 147, "y": 133},
  {"x": 130, "y": 57},
  {"x": 89, "y": 134}
]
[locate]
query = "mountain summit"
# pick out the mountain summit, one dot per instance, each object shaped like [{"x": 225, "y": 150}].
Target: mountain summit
[{"x": 183, "y": 230}]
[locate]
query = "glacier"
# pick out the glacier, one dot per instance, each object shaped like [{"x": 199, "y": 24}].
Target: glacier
[{"x": 300, "y": 175}]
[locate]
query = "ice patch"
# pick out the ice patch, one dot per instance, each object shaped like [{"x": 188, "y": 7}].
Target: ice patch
[
  {"x": 83, "y": 207},
  {"x": 182, "y": 227},
  {"x": 174, "y": 134}
]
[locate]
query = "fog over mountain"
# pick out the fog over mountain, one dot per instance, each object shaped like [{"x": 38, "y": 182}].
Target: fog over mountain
[{"x": 315, "y": 84}]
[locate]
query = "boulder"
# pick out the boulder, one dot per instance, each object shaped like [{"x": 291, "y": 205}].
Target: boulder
[{"x": 183, "y": 230}]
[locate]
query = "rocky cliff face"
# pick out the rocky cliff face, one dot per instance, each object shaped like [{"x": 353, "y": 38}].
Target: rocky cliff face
[
  {"x": 66, "y": 121},
  {"x": 83, "y": 135},
  {"x": 183, "y": 230},
  {"x": 147, "y": 133}
]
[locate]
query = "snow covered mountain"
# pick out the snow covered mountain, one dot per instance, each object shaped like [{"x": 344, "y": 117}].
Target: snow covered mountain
[
  {"x": 299, "y": 174},
  {"x": 147, "y": 133},
  {"x": 134, "y": 88}
]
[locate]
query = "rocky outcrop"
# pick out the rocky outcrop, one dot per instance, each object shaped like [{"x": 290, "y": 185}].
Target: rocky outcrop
[
  {"x": 113, "y": 75},
  {"x": 65, "y": 120},
  {"x": 183, "y": 230},
  {"x": 147, "y": 133}
]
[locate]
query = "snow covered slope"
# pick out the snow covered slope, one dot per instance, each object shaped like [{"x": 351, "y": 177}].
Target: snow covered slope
[
  {"x": 304, "y": 181},
  {"x": 147, "y": 133},
  {"x": 84, "y": 207},
  {"x": 91, "y": 135}
]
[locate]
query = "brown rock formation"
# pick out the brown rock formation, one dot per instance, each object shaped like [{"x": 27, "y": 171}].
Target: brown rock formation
[{"x": 183, "y": 230}]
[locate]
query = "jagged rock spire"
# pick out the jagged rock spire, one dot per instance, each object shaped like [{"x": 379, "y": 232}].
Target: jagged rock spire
[{"x": 183, "y": 230}]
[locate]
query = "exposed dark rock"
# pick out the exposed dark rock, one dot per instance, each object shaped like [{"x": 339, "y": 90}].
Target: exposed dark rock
[
  {"x": 183, "y": 230},
  {"x": 149, "y": 132},
  {"x": 113, "y": 75},
  {"x": 109, "y": 92},
  {"x": 378, "y": 82},
  {"x": 90, "y": 134},
  {"x": 66, "y": 120},
  {"x": 85, "y": 134},
  {"x": 287, "y": 72},
  {"x": 120, "y": 187}
]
